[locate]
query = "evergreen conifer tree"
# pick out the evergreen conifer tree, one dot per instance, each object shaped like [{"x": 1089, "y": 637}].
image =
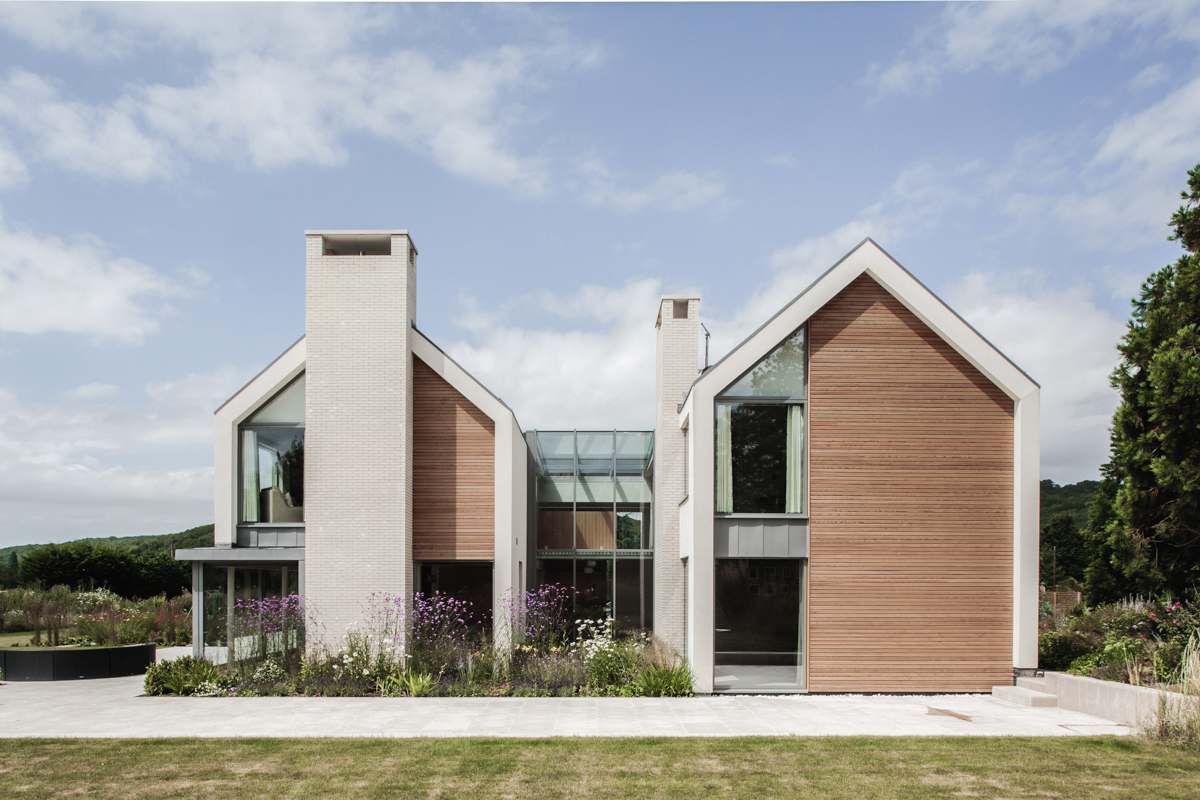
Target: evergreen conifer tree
[{"x": 1145, "y": 522}]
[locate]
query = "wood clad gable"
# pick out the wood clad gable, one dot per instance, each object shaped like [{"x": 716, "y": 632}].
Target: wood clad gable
[
  {"x": 454, "y": 472},
  {"x": 911, "y": 498}
]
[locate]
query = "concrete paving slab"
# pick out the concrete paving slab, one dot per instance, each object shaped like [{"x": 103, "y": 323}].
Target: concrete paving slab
[{"x": 114, "y": 707}]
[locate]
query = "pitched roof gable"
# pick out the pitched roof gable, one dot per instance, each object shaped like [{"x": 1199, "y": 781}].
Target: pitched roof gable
[{"x": 870, "y": 259}]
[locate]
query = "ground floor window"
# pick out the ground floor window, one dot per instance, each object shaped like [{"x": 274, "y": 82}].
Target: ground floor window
[
  {"x": 606, "y": 586},
  {"x": 759, "y": 640},
  {"x": 469, "y": 581},
  {"x": 223, "y": 587}
]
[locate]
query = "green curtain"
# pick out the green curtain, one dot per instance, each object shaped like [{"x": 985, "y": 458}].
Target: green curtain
[
  {"x": 794, "y": 502},
  {"x": 249, "y": 476},
  {"x": 724, "y": 498}
]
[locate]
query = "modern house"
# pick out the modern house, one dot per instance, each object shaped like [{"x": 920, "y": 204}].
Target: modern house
[{"x": 847, "y": 501}]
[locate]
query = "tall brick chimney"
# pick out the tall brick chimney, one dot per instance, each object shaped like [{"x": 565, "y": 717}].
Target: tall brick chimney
[
  {"x": 677, "y": 365},
  {"x": 360, "y": 303}
]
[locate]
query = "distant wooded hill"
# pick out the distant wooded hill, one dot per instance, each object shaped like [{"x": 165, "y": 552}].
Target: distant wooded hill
[
  {"x": 1072, "y": 499},
  {"x": 201, "y": 536}
]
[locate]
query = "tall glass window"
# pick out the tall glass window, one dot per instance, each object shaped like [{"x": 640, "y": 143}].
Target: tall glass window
[
  {"x": 593, "y": 530},
  {"x": 271, "y": 444},
  {"x": 759, "y": 615},
  {"x": 760, "y": 435}
]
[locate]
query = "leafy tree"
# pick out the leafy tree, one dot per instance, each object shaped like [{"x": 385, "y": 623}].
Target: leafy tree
[
  {"x": 83, "y": 565},
  {"x": 1148, "y": 540},
  {"x": 159, "y": 573},
  {"x": 1072, "y": 498},
  {"x": 10, "y": 571},
  {"x": 1064, "y": 550},
  {"x": 1101, "y": 581}
]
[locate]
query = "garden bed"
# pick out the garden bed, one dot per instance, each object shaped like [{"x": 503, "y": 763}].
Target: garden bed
[
  {"x": 430, "y": 646},
  {"x": 75, "y": 663}
]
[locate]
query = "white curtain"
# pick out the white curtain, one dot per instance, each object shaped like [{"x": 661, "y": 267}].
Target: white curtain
[
  {"x": 794, "y": 502},
  {"x": 724, "y": 499},
  {"x": 249, "y": 476}
]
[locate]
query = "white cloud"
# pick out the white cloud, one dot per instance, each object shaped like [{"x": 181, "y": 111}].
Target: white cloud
[
  {"x": 103, "y": 142},
  {"x": 278, "y": 87},
  {"x": 1067, "y": 343},
  {"x": 12, "y": 168},
  {"x": 601, "y": 376},
  {"x": 915, "y": 202},
  {"x": 88, "y": 466},
  {"x": 676, "y": 191},
  {"x": 1123, "y": 194},
  {"x": 1030, "y": 39},
  {"x": 47, "y": 285},
  {"x": 785, "y": 161},
  {"x": 1150, "y": 76},
  {"x": 93, "y": 391}
]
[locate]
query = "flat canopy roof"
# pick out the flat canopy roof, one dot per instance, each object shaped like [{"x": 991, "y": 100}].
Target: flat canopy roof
[{"x": 241, "y": 556}]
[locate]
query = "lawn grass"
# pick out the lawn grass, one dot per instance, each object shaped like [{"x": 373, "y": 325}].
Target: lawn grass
[
  {"x": 13, "y": 639},
  {"x": 689, "y": 769}
]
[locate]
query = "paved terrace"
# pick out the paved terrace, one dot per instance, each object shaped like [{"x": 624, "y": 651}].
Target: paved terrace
[{"x": 113, "y": 707}]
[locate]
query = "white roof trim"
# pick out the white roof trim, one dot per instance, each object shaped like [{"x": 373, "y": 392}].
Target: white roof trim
[
  {"x": 263, "y": 386},
  {"x": 460, "y": 379},
  {"x": 870, "y": 259}
]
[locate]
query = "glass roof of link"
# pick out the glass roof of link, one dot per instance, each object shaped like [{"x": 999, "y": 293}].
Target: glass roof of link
[{"x": 558, "y": 452}]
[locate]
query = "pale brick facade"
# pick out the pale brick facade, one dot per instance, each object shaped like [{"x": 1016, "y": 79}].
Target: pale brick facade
[
  {"x": 358, "y": 462},
  {"x": 677, "y": 362}
]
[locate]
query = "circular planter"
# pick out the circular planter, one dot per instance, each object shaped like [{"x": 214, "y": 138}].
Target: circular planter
[{"x": 53, "y": 664}]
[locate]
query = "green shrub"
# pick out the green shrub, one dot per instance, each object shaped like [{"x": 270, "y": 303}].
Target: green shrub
[
  {"x": 1058, "y": 649},
  {"x": 269, "y": 673},
  {"x": 666, "y": 681},
  {"x": 181, "y": 676},
  {"x": 1086, "y": 665}
]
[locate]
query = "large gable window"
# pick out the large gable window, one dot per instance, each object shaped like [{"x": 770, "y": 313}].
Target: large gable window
[
  {"x": 272, "y": 459},
  {"x": 760, "y": 426}
]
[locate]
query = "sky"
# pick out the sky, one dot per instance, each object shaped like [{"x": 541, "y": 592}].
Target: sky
[{"x": 559, "y": 167}]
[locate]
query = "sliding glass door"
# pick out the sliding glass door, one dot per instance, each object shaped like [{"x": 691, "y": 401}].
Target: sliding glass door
[{"x": 759, "y": 638}]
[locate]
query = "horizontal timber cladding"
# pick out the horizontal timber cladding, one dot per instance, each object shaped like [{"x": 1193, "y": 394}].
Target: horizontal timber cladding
[
  {"x": 454, "y": 473},
  {"x": 911, "y": 528},
  {"x": 593, "y": 529}
]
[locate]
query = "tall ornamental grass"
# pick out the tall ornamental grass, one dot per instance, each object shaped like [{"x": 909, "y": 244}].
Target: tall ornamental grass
[{"x": 1177, "y": 718}]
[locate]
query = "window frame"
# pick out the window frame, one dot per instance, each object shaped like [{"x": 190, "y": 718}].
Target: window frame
[
  {"x": 797, "y": 400},
  {"x": 239, "y": 456}
]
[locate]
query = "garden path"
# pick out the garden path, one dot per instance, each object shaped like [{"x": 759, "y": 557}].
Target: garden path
[{"x": 113, "y": 707}]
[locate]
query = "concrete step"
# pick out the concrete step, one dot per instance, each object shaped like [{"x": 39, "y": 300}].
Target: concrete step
[
  {"x": 1037, "y": 684},
  {"x": 1024, "y": 697}
]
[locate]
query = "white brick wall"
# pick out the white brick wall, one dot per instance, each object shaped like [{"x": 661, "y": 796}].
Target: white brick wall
[
  {"x": 358, "y": 440},
  {"x": 677, "y": 364}
]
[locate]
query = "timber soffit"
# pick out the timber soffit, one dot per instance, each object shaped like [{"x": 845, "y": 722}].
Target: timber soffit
[{"x": 822, "y": 277}]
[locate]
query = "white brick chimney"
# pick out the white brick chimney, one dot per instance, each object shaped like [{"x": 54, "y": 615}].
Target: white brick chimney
[
  {"x": 677, "y": 365},
  {"x": 360, "y": 303}
]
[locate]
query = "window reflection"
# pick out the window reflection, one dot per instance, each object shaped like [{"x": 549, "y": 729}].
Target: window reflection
[
  {"x": 592, "y": 527},
  {"x": 759, "y": 444},
  {"x": 271, "y": 457}
]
